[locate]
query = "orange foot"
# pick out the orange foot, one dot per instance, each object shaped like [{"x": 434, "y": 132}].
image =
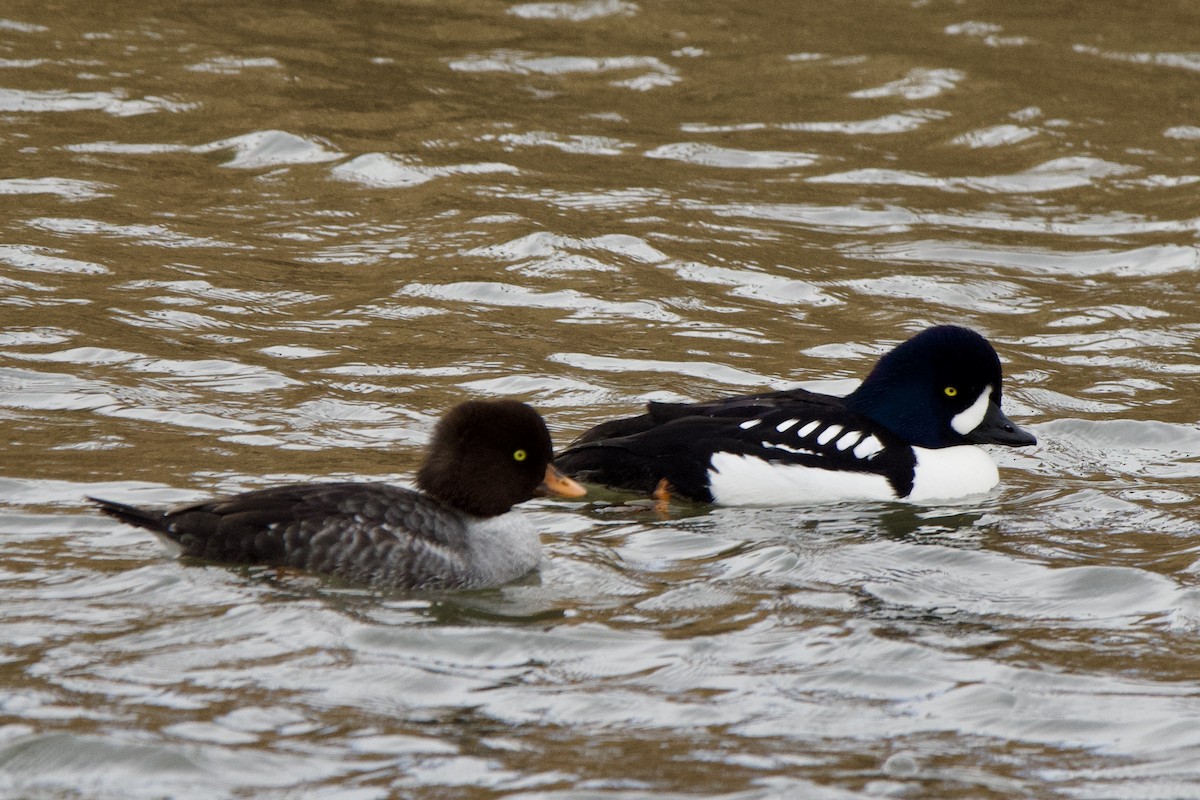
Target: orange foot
[{"x": 662, "y": 498}]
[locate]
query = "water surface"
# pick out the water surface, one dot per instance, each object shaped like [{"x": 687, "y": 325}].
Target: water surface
[{"x": 262, "y": 242}]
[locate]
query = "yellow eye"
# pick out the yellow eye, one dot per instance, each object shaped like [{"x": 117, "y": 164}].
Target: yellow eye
[
  {"x": 951, "y": 391},
  {"x": 520, "y": 455}
]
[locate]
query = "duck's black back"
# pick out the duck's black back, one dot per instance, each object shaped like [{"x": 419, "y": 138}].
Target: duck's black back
[
  {"x": 676, "y": 441},
  {"x": 739, "y": 408}
]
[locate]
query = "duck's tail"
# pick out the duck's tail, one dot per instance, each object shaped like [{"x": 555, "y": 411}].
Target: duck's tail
[{"x": 151, "y": 519}]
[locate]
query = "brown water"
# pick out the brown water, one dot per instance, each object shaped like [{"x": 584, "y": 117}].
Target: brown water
[{"x": 247, "y": 243}]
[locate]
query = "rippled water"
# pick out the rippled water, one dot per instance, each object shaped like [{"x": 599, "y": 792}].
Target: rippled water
[{"x": 269, "y": 241}]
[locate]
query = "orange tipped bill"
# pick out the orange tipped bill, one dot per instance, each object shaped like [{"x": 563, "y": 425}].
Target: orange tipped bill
[{"x": 561, "y": 485}]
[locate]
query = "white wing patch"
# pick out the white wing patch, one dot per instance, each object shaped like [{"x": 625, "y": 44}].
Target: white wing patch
[
  {"x": 865, "y": 446},
  {"x": 969, "y": 418},
  {"x": 868, "y": 447},
  {"x": 809, "y": 428},
  {"x": 789, "y": 449},
  {"x": 847, "y": 440},
  {"x": 826, "y": 436}
]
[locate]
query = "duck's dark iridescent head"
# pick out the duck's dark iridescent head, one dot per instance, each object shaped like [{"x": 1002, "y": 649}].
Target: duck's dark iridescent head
[{"x": 940, "y": 388}]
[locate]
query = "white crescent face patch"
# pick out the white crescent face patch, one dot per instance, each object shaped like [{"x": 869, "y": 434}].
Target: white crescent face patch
[{"x": 969, "y": 418}]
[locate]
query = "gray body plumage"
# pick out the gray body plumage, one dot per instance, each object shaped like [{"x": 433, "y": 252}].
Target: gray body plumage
[
  {"x": 375, "y": 534},
  {"x": 458, "y": 532}
]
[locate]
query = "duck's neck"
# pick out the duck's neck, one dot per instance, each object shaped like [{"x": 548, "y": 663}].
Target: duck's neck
[{"x": 902, "y": 408}]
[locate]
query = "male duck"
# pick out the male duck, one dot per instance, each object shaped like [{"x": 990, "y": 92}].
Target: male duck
[
  {"x": 457, "y": 532},
  {"x": 907, "y": 433}
]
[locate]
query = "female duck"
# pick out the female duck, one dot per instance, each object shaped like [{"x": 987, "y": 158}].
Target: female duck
[{"x": 459, "y": 531}]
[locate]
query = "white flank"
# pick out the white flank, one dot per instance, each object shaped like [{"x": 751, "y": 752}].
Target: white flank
[
  {"x": 748, "y": 481},
  {"x": 949, "y": 473},
  {"x": 969, "y": 418},
  {"x": 945, "y": 474}
]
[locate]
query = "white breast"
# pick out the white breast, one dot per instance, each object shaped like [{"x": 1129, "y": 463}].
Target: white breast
[
  {"x": 952, "y": 472},
  {"x": 501, "y": 549}
]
